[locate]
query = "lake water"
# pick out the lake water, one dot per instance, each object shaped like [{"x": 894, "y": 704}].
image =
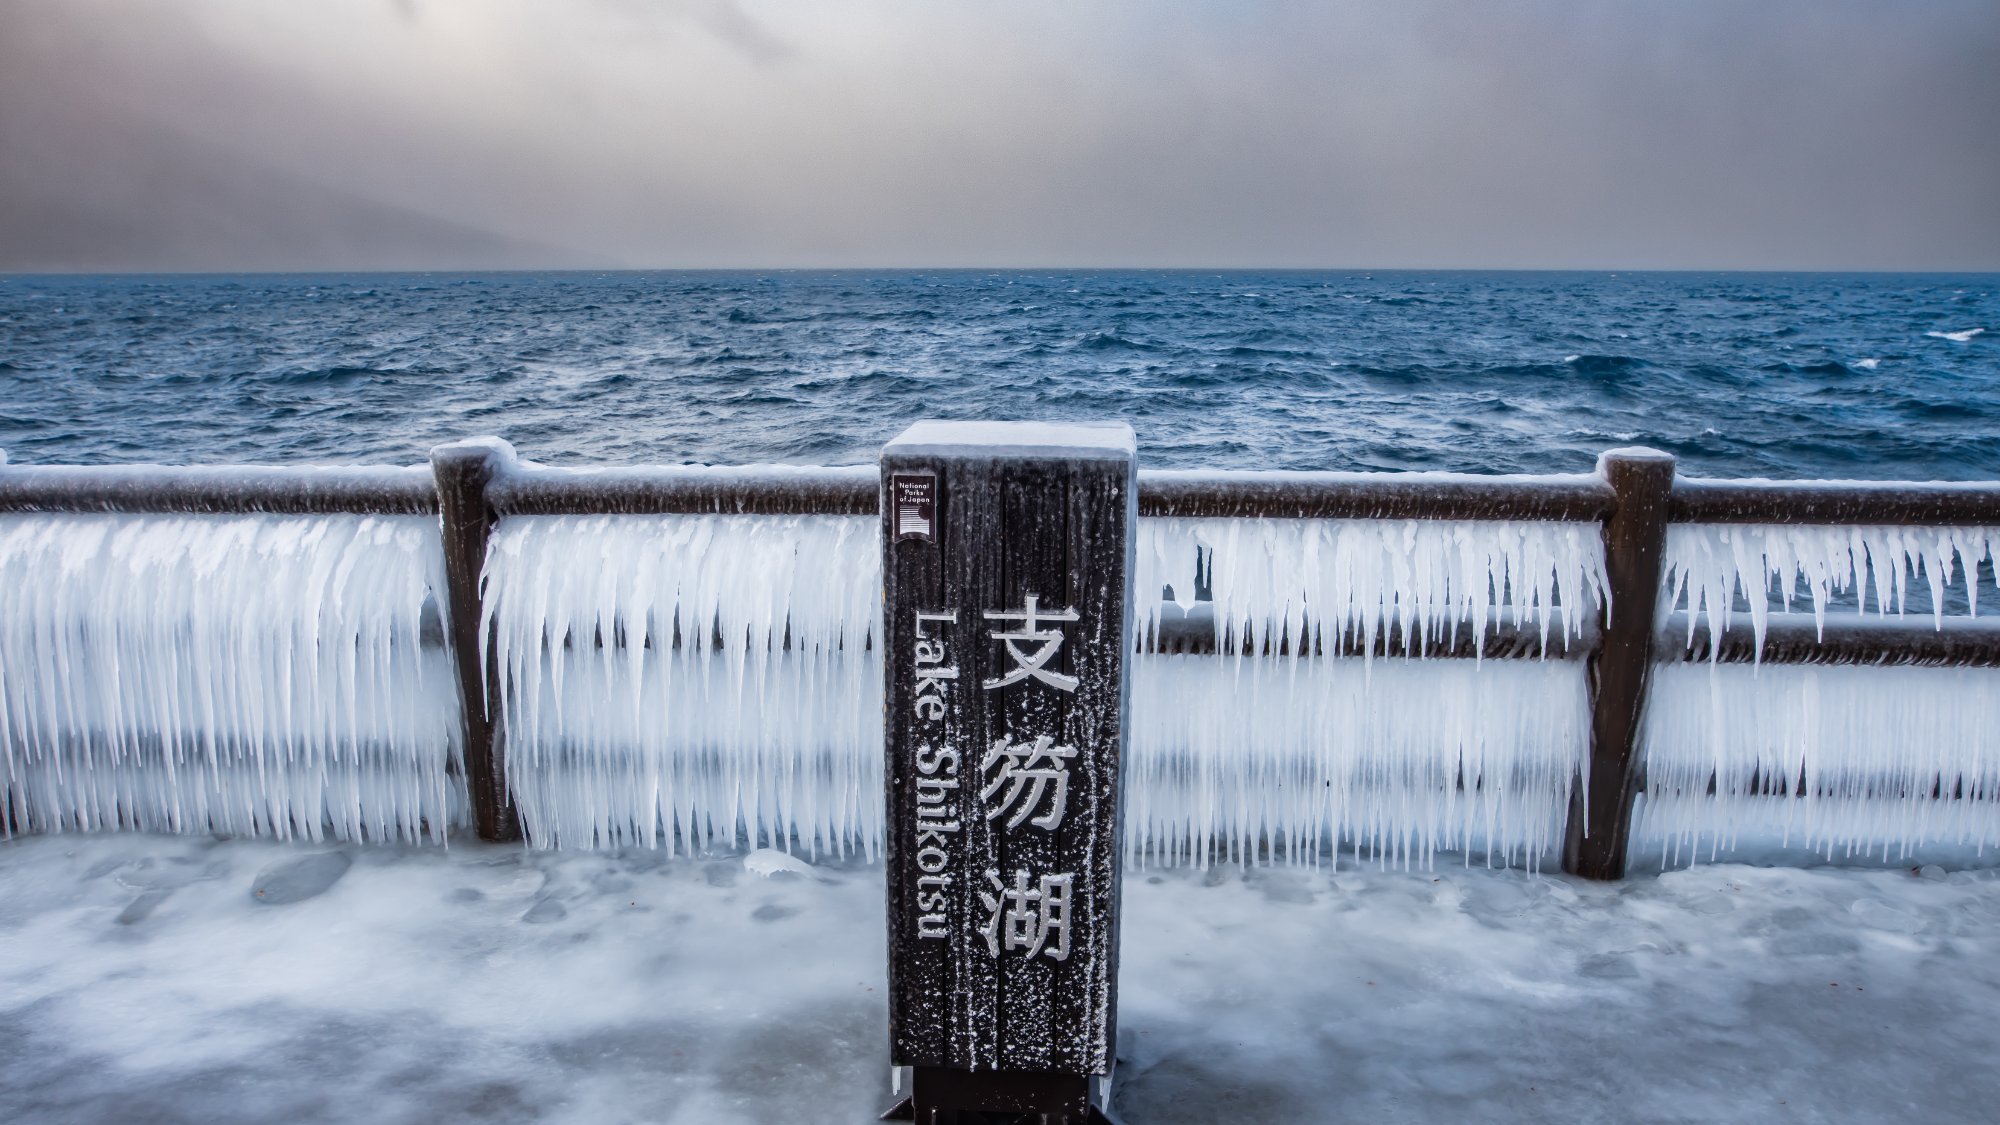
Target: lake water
[{"x": 1865, "y": 375}]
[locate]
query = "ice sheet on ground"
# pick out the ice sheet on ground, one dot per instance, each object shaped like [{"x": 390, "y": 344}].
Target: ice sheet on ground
[{"x": 497, "y": 984}]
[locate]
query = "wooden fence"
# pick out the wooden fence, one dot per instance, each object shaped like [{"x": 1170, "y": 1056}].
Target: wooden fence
[{"x": 1634, "y": 496}]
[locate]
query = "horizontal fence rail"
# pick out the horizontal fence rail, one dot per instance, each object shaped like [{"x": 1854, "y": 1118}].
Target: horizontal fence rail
[
  {"x": 775, "y": 490},
  {"x": 1972, "y": 642},
  {"x": 526, "y": 489},
  {"x": 1373, "y": 496},
  {"x": 1195, "y": 635},
  {"x": 1933, "y": 504},
  {"x": 214, "y": 490},
  {"x": 1634, "y": 496}
]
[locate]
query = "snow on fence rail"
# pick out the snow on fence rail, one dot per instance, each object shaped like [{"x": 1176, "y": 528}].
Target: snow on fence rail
[{"x": 1289, "y": 691}]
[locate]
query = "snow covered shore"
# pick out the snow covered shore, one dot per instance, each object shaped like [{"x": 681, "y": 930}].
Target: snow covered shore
[{"x": 142, "y": 978}]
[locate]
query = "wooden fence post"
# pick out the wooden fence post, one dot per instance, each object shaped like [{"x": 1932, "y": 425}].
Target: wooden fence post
[
  {"x": 463, "y": 470},
  {"x": 1007, "y": 610},
  {"x": 1635, "y": 539}
]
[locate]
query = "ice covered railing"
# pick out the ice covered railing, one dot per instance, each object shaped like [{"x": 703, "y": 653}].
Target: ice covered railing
[
  {"x": 1815, "y": 744},
  {"x": 1337, "y": 714},
  {"x": 1394, "y": 663},
  {"x": 668, "y": 678},
  {"x": 277, "y": 651},
  {"x": 682, "y": 655},
  {"x": 676, "y": 655},
  {"x": 169, "y": 663},
  {"x": 1399, "y": 666}
]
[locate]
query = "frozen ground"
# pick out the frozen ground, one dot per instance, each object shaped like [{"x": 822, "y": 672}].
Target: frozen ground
[{"x": 141, "y": 979}]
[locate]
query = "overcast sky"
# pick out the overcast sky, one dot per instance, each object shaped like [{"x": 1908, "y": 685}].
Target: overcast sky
[{"x": 253, "y": 134}]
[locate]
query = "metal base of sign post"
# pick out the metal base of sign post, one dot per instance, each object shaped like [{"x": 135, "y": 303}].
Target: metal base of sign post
[{"x": 946, "y": 1096}]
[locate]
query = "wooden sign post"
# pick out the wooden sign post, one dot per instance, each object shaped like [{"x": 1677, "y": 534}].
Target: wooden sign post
[{"x": 1007, "y": 553}]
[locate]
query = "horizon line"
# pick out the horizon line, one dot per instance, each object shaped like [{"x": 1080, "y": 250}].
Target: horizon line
[{"x": 315, "y": 271}]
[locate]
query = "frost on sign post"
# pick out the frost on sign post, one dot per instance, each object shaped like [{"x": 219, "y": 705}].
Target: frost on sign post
[{"x": 1008, "y": 617}]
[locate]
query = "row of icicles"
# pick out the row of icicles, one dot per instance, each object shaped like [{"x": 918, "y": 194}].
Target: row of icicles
[{"x": 686, "y": 682}]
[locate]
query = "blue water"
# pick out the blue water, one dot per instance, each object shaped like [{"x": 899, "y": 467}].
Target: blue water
[{"x": 1779, "y": 375}]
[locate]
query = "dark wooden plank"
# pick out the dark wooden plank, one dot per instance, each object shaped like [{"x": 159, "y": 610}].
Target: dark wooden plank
[
  {"x": 694, "y": 489},
  {"x": 218, "y": 490},
  {"x": 1635, "y": 538},
  {"x": 1794, "y": 638},
  {"x": 1937, "y": 503},
  {"x": 1194, "y": 635},
  {"x": 1437, "y": 496}
]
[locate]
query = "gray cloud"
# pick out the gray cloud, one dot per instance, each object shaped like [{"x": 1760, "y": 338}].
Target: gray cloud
[{"x": 221, "y": 134}]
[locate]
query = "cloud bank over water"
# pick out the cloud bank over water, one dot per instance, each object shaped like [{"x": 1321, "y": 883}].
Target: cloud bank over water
[{"x": 234, "y": 134}]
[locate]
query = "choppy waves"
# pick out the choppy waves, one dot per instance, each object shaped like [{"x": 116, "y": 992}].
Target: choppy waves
[{"x": 1812, "y": 375}]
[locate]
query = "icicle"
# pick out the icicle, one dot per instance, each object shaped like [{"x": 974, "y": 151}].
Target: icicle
[
  {"x": 249, "y": 675},
  {"x": 1844, "y": 760},
  {"x": 1341, "y": 584},
  {"x": 1278, "y": 752},
  {"x": 1714, "y": 572},
  {"x": 1279, "y": 758},
  {"x": 671, "y": 679},
  {"x": 1867, "y": 761}
]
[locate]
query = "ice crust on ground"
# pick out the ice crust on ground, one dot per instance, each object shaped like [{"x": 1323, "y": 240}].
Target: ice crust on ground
[
  {"x": 1843, "y": 761},
  {"x": 672, "y": 681},
  {"x": 688, "y": 990},
  {"x": 251, "y": 675}
]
